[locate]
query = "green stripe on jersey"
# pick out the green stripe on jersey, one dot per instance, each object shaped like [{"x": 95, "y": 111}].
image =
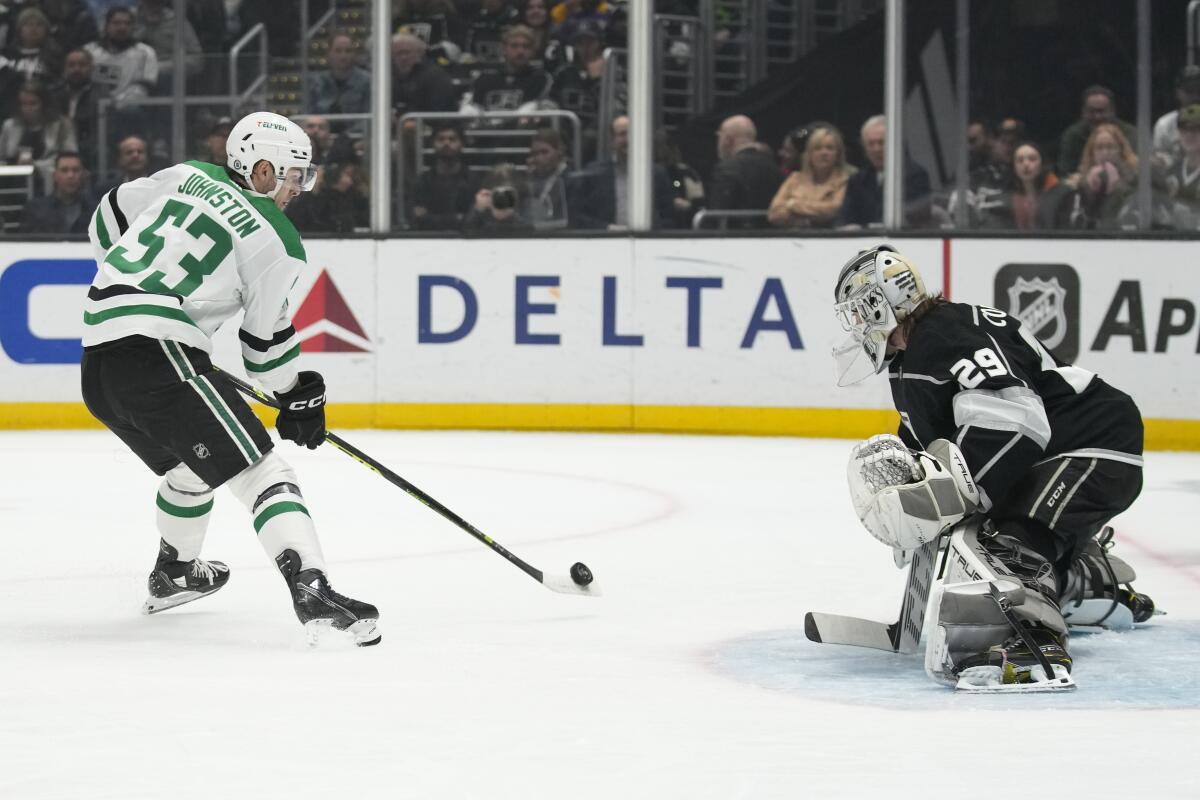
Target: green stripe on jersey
[
  {"x": 273, "y": 363},
  {"x": 183, "y": 511},
  {"x": 175, "y": 353},
  {"x": 270, "y": 512},
  {"x": 102, "y": 229},
  {"x": 279, "y": 222},
  {"x": 139, "y": 310}
]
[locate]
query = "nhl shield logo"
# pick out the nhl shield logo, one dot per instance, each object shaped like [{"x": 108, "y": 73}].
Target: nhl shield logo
[
  {"x": 1039, "y": 305},
  {"x": 1045, "y": 297},
  {"x": 200, "y": 450}
]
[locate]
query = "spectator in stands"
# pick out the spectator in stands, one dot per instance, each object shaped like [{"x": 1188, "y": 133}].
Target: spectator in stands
[
  {"x": 126, "y": 69},
  {"x": 746, "y": 178},
  {"x": 33, "y": 55},
  {"x": 1166, "y": 129},
  {"x": 1033, "y": 198},
  {"x": 498, "y": 204},
  {"x": 68, "y": 207},
  {"x": 979, "y": 144},
  {"x": 328, "y": 147},
  {"x": 435, "y": 22},
  {"x": 569, "y": 13},
  {"x": 599, "y": 194},
  {"x": 37, "y": 134},
  {"x": 338, "y": 203},
  {"x": 576, "y": 86},
  {"x": 80, "y": 96},
  {"x": 791, "y": 150},
  {"x": 812, "y": 196},
  {"x": 445, "y": 193},
  {"x": 155, "y": 25},
  {"x": 214, "y": 142},
  {"x": 418, "y": 84},
  {"x": 343, "y": 88},
  {"x": 133, "y": 162},
  {"x": 71, "y": 22},
  {"x": 1107, "y": 175},
  {"x": 547, "y": 195},
  {"x": 1099, "y": 107},
  {"x": 210, "y": 22},
  {"x": 863, "y": 206},
  {"x": 519, "y": 86},
  {"x": 686, "y": 186},
  {"x": 486, "y": 26},
  {"x": 1182, "y": 176},
  {"x": 1009, "y": 133},
  {"x": 535, "y": 15}
]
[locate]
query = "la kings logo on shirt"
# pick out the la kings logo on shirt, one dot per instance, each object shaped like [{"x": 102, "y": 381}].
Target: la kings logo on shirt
[{"x": 1045, "y": 297}]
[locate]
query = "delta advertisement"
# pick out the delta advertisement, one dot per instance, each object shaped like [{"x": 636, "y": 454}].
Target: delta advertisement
[{"x": 624, "y": 334}]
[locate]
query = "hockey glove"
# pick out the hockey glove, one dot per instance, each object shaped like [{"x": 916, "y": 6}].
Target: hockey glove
[
  {"x": 302, "y": 411},
  {"x": 906, "y": 499}
]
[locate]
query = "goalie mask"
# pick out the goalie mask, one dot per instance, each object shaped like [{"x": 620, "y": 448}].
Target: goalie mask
[
  {"x": 263, "y": 136},
  {"x": 876, "y": 291}
]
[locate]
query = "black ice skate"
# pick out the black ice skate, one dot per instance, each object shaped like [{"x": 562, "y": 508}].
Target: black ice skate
[
  {"x": 319, "y": 607},
  {"x": 1013, "y": 665},
  {"x": 1099, "y": 590},
  {"x": 174, "y": 582}
]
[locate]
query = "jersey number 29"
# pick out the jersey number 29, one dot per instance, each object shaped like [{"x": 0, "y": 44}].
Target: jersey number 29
[
  {"x": 971, "y": 373},
  {"x": 197, "y": 269}
]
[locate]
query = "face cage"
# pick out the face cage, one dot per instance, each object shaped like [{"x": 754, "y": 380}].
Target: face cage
[{"x": 869, "y": 319}]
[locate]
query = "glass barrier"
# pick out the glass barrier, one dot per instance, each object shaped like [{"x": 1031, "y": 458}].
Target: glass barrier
[{"x": 768, "y": 116}]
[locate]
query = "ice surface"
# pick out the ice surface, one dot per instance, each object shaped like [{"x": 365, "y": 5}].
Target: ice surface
[{"x": 689, "y": 678}]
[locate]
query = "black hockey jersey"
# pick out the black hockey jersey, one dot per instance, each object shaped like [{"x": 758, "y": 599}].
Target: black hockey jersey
[{"x": 976, "y": 376}]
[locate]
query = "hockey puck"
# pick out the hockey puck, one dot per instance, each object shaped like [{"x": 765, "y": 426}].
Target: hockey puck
[{"x": 581, "y": 574}]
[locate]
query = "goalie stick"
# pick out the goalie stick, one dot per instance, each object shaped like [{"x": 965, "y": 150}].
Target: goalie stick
[
  {"x": 901, "y": 636},
  {"x": 555, "y": 583}
]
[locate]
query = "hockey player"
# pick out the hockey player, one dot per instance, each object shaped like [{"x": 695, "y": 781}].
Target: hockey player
[
  {"x": 1034, "y": 456},
  {"x": 179, "y": 253}
]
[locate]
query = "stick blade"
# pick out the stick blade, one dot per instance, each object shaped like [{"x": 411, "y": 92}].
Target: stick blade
[
  {"x": 853, "y": 631},
  {"x": 564, "y": 585}
]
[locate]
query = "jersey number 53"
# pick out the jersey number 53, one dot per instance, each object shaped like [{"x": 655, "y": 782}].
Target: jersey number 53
[{"x": 196, "y": 269}]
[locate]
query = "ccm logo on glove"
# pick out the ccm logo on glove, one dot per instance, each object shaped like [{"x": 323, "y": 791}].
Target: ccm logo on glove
[{"x": 302, "y": 411}]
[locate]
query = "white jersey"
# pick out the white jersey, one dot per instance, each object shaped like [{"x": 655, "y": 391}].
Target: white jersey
[{"x": 182, "y": 251}]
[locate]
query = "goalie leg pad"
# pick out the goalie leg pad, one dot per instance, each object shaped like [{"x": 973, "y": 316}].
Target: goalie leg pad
[{"x": 966, "y": 621}]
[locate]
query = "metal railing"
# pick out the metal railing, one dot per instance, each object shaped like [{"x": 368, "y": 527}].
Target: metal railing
[
  {"x": 14, "y": 195},
  {"x": 1193, "y": 30},
  {"x": 682, "y": 59},
  {"x": 418, "y": 120},
  {"x": 722, "y": 218},
  {"x": 103, "y": 106},
  {"x": 737, "y": 29},
  {"x": 307, "y": 34},
  {"x": 237, "y": 98},
  {"x": 612, "y": 83}
]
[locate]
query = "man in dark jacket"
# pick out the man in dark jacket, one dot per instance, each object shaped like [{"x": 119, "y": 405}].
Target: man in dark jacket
[
  {"x": 1099, "y": 105},
  {"x": 418, "y": 84},
  {"x": 518, "y": 84},
  {"x": 80, "y": 106},
  {"x": 598, "y": 196},
  {"x": 747, "y": 177},
  {"x": 863, "y": 204},
  {"x": 443, "y": 195},
  {"x": 68, "y": 209}
]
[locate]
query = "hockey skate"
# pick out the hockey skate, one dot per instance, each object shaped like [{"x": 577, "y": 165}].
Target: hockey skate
[
  {"x": 319, "y": 608},
  {"x": 174, "y": 582},
  {"x": 1099, "y": 592},
  {"x": 1015, "y": 667}
]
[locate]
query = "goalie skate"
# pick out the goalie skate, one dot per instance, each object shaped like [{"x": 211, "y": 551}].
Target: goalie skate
[{"x": 995, "y": 680}]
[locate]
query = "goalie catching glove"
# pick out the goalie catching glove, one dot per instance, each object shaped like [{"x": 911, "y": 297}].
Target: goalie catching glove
[{"x": 904, "y": 498}]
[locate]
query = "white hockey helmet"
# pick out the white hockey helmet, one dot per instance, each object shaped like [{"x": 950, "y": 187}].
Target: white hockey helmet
[
  {"x": 263, "y": 136},
  {"x": 876, "y": 291}
]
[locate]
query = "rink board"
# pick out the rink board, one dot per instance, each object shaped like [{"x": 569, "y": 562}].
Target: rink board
[{"x": 704, "y": 336}]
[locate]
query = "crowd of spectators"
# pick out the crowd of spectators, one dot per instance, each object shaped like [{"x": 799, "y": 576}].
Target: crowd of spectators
[{"x": 61, "y": 61}]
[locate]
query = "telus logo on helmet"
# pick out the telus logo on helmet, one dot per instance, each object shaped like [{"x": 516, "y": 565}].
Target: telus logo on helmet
[{"x": 262, "y": 123}]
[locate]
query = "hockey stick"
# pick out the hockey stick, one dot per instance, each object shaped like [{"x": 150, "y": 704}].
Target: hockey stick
[
  {"x": 901, "y": 636},
  {"x": 579, "y": 581}
]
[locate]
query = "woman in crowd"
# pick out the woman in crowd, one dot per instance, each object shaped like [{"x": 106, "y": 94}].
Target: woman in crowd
[
  {"x": 1106, "y": 177},
  {"x": 32, "y": 55},
  {"x": 37, "y": 134},
  {"x": 812, "y": 195},
  {"x": 1034, "y": 199}
]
